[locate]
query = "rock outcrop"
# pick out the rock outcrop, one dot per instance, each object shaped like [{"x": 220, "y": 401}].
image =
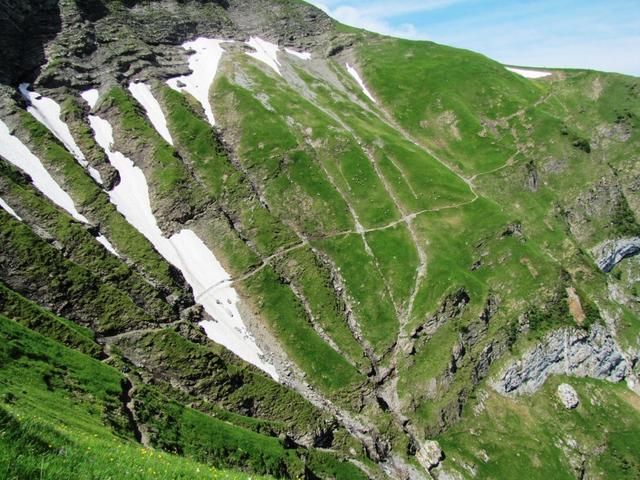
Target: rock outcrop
[
  {"x": 611, "y": 252},
  {"x": 569, "y": 351},
  {"x": 430, "y": 454}
]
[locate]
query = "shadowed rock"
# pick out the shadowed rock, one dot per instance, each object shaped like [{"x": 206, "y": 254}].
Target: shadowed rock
[{"x": 611, "y": 252}]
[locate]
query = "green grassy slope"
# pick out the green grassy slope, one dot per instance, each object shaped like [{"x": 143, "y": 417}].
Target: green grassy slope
[
  {"x": 67, "y": 411},
  {"x": 546, "y": 440},
  {"x": 450, "y": 143},
  {"x": 61, "y": 417}
]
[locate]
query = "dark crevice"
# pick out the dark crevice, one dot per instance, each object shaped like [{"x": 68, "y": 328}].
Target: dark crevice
[{"x": 127, "y": 406}]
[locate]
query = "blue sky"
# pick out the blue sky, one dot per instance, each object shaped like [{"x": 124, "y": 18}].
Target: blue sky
[{"x": 603, "y": 35}]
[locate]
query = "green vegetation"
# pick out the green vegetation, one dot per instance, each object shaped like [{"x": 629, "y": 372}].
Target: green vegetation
[
  {"x": 196, "y": 142},
  {"x": 548, "y": 441},
  {"x": 268, "y": 146},
  {"x": 623, "y": 220},
  {"x": 315, "y": 283},
  {"x": 396, "y": 254},
  {"x": 97, "y": 304},
  {"x": 229, "y": 383},
  {"x": 80, "y": 246},
  {"x": 165, "y": 171},
  {"x": 286, "y": 318},
  {"x": 61, "y": 416},
  {"x": 400, "y": 251},
  {"x": 68, "y": 402},
  {"x": 211, "y": 441},
  {"x": 15, "y": 307},
  {"x": 374, "y": 308},
  {"x": 443, "y": 95}
]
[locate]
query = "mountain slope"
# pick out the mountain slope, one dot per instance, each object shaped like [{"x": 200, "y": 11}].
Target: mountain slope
[{"x": 413, "y": 244}]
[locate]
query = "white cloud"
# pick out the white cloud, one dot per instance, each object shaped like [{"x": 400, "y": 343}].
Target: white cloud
[{"x": 357, "y": 17}]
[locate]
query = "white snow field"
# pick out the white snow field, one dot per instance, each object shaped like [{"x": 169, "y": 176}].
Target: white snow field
[
  {"x": 185, "y": 250},
  {"x": 107, "y": 244},
  {"x": 8, "y": 208},
  {"x": 47, "y": 112},
  {"x": 204, "y": 65},
  {"x": 528, "y": 73},
  {"x": 352, "y": 71},
  {"x": 17, "y": 153},
  {"x": 142, "y": 93},
  {"x": 266, "y": 52},
  {"x": 300, "y": 55}
]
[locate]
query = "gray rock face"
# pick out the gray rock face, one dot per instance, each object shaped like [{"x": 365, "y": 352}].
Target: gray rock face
[
  {"x": 568, "y": 396},
  {"x": 89, "y": 42},
  {"x": 568, "y": 351},
  {"x": 451, "y": 308},
  {"x": 611, "y": 252}
]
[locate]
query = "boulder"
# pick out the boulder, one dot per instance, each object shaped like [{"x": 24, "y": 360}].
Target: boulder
[{"x": 568, "y": 396}]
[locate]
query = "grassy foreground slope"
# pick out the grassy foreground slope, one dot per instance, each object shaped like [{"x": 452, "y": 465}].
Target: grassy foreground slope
[
  {"x": 62, "y": 417},
  {"x": 65, "y": 414}
]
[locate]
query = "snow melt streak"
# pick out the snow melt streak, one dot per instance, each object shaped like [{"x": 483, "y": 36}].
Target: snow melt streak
[
  {"x": 300, "y": 55},
  {"x": 142, "y": 93},
  {"x": 352, "y": 71},
  {"x": 47, "y": 112},
  {"x": 186, "y": 251},
  {"x": 107, "y": 244},
  {"x": 529, "y": 73},
  {"x": 17, "y": 153},
  {"x": 9, "y": 210},
  {"x": 204, "y": 65}
]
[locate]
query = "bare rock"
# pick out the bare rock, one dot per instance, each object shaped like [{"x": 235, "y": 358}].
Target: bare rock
[
  {"x": 430, "y": 454},
  {"x": 611, "y": 252},
  {"x": 568, "y": 396},
  {"x": 568, "y": 351}
]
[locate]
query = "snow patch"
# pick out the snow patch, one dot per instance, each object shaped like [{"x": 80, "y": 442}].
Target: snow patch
[
  {"x": 186, "y": 251},
  {"x": 266, "y": 52},
  {"x": 204, "y": 61},
  {"x": 528, "y": 73},
  {"x": 107, "y": 244},
  {"x": 8, "y": 208},
  {"x": 352, "y": 71},
  {"x": 142, "y": 93},
  {"x": 211, "y": 288},
  {"x": 47, "y": 112},
  {"x": 17, "y": 153},
  {"x": 91, "y": 97},
  {"x": 300, "y": 55}
]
